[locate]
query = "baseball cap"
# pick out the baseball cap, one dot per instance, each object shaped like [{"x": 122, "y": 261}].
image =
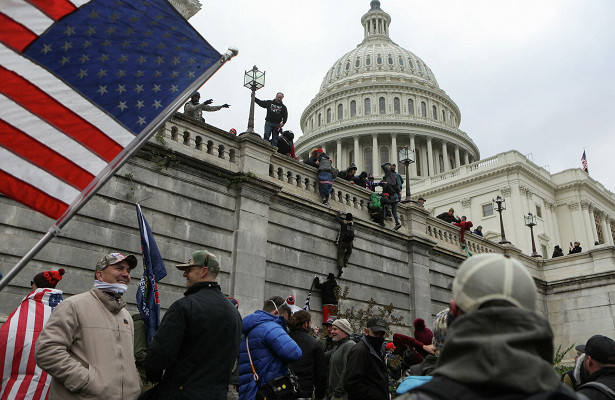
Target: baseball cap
[
  {"x": 377, "y": 325},
  {"x": 600, "y": 348},
  {"x": 488, "y": 277},
  {"x": 114, "y": 258},
  {"x": 201, "y": 258},
  {"x": 329, "y": 321}
]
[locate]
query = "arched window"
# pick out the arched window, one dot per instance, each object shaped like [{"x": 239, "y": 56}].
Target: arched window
[
  {"x": 381, "y": 106},
  {"x": 367, "y": 107},
  {"x": 340, "y": 112},
  {"x": 384, "y": 154},
  {"x": 396, "y": 105},
  {"x": 423, "y": 109},
  {"x": 379, "y": 59},
  {"x": 357, "y": 62},
  {"x": 410, "y": 63},
  {"x": 353, "y": 108},
  {"x": 368, "y": 60},
  {"x": 351, "y": 157},
  {"x": 443, "y": 116},
  {"x": 410, "y": 106},
  {"x": 367, "y": 158},
  {"x": 319, "y": 119},
  {"x": 390, "y": 59},
  {"x": 401, "y": 61},
  {"x": 347, "y": 65},
  {"x": 434, "y": 112},
  {"x": 328, "y": 115}
]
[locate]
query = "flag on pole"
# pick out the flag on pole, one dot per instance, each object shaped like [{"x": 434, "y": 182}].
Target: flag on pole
[
  {"x": 306, "y": 306},
  {"x": 21, "y": 377},
  {"x": 584, "y": 162},
  {"x": 83, "y": 84},
  {"x": 148, "y": 298}
]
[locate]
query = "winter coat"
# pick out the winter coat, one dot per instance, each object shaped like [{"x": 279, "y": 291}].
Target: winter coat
[
  {"x": 276, "y": 112},
  {"x": 346, "y": 175},
  {"x": 558, "y": 252},
  {"x": 328, "y": 290},
  {"x": 448, "y": 218},
  {"x": 196, "y": 345},
  {"x": 311, "y": 369},
  {"x": 271, "y": 349},
  {"x": 346, "y": 233},
  {"x": 338, "y": 362},
  {"x": 87, "y": 347},
  {"x": 606, "y": 376},
  {"x": 492, "y": 352},
  {"x": 366, "y": 376},
  {"x": 390, "y": 177},
  {"x": 575, "y": 249},
  {"x": 285, "y": 143}
]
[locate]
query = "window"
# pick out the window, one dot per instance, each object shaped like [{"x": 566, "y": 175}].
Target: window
[
  {"x": 367, "y": 158},
  {"x": 401, "y": 62},
  {"x": 384, "y": 154},
  {"x": 443, "y": 116},
  {"x": 351, "y": 157},
  {"x": 410, "y": 63},
  {"x": 434, "y": 112},
  {"x": 368, "y": 60},
  {"x": 381, "y": 106},
  {"x": 487, "y": 209},
  {"x": 420, "y": 67},
  {"x": 396, "y": 106},
  {"x": 538, "y": 211},
  {"x": 339, "y": 69},
  {"x": 340, "y": 112},
  {"x": 357, "y": 62},
  {"x": 410, "y": 106},
  {"x": 347, "y": 65},
  {"x": 328, "y": 115},
  {"x": 367, "y": 107},
  {"x": 319, "y": 119},
  {"x": 423, "y": 109},
  {"x": 390, "y": 59},
  {"x": 353, "y": 108},
  {"x": 379, "y": 59}
]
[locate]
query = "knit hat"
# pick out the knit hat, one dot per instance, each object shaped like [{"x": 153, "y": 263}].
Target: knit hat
[
  {"x": 487, "y": 277},
  {"x": 290, "y": 300},
  {"x": 421, "y": 332},
  {"x": 440, "y": 327},
  {"x": 344, "y": 325},
  {"x": 48, "y": 279}
]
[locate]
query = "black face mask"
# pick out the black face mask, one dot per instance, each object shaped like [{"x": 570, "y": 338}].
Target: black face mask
[{"x": 375, "y": 342}]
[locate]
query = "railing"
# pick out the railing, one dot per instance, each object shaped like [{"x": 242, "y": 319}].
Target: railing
[{"x": 448, "y": 236}]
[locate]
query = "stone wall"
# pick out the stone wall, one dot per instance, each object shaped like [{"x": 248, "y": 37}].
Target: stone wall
[{"x": 260, "y": 213}]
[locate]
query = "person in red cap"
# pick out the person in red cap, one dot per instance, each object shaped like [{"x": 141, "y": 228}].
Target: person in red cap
[
  {"x": 21, "y": 377},
  {"x": 87, "y": 344}
]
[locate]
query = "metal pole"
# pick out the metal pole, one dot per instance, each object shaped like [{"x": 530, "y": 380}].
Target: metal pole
[
  {"x": 407, "y": 164},
  {"x": 251, "y": 117},
  {"x": 503, "y": 241},
  {"x": 534, "y": 253}
]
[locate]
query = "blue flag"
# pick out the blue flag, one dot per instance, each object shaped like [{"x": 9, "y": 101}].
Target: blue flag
[{"x": 148, "y": 299}]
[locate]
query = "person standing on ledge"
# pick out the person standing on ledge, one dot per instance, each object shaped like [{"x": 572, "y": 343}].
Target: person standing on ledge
[
  {"x": 277, "y": 115},
  {"x": 195, "y": 110}
]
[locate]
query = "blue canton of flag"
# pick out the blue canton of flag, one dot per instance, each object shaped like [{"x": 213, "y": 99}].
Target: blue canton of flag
[
  {"x": 132, "y": 58},
  {"x": 148, "y": 299}
]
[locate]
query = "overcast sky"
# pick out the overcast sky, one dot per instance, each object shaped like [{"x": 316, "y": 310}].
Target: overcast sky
[{"x": 534, "y": 76}]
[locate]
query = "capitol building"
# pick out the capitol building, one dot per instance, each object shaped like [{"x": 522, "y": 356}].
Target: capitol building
[{"x": 379, "y": 98}]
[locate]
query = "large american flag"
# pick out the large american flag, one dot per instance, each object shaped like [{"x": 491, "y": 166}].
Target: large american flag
[
  {"x": 81, "y": 83},
  {"x": 21, "y": 377}
]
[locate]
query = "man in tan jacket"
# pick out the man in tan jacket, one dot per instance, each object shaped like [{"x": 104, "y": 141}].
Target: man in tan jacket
[{"x": 87, "y": 344}]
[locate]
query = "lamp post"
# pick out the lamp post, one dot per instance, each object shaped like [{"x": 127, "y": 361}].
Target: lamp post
[
  {"x": 530, "y": 220},
  {"x": 406, "y": 157},
  {"x": 501, "y": 206},
  {"x": 253, "y": 80}
]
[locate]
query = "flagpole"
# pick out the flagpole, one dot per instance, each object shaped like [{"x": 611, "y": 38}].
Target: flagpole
[{"x": 114, "y": 166}]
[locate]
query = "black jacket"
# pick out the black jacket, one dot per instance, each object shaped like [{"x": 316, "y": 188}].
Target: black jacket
[
  {"x": 606, "y": 376},
  {"x": 448, "y": 218},
  {"x": 285, "y": 142},
  {"x": 346, "y": 174},
  {"x": 575, "y": 249},
  {"x": 366, "y": 375},
  {"x": 276, "y": 112},
  {"x": 328, "y": 290},
  {"x": 311, "y": 369},
  {"x": 196, "y": 345},
  {"x": 557, "y": 252}
]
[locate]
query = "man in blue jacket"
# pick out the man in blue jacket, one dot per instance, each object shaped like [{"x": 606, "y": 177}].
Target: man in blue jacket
[{"x": 270, "y": 347}]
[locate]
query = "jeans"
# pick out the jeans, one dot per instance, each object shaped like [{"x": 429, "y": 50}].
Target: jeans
[
  {"x": 271, "y": 129},
  {"x": 394, "y": 201}
]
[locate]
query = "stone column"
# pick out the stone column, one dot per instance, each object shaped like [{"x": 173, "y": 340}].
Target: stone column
[
  {"x": 606, "y": 223},
  {"x": 592, "y": 221},
  {"x": 375, "y": 155},
  {"x": 338, "y": 154},
  {"x": 358, "y": 159},
  {"x": 558, "y": 237},
  {"x": 457, "y": 160},
  {"x": 590, "y": 238},
  {"x": 446, "y": 163},
  {"x": 430, "y": 164},
  {"x": 466, "y": 158},
  {"x": 413, "y": 165},
  {"x": 393, "y": 155}
]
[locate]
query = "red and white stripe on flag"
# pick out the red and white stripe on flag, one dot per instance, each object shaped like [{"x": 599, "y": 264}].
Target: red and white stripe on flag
[
  {"x": 21, "y": 377},
  {"x": 53, "y": 141}
]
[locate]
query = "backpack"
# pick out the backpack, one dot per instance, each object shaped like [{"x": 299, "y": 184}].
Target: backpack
[
  {"x": 325, "y": 165},
  {"x": 374, "y": 201},
  {"x": 347, "y": 232}
]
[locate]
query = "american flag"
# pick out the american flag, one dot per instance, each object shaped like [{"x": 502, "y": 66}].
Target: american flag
[
  {"x": 584, "y": 162},
  {"x": 148, "y": 298},
  {"x": 82, "y": 85},
  {"x": 21, "y": 377}
]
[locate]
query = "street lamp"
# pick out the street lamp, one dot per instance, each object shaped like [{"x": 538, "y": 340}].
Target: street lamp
[
  {"x": 530, "y": 220},
  {"x": 253, "y": 80},
  {"x": 406, "y": 157},
  {"x": 501, "y": 206}
]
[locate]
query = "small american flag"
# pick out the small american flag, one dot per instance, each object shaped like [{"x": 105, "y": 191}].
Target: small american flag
[
  {"x": 584, "y": 162},
  {"x": 81, "y": 84},
  {"x": 21, "y": 377}
]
